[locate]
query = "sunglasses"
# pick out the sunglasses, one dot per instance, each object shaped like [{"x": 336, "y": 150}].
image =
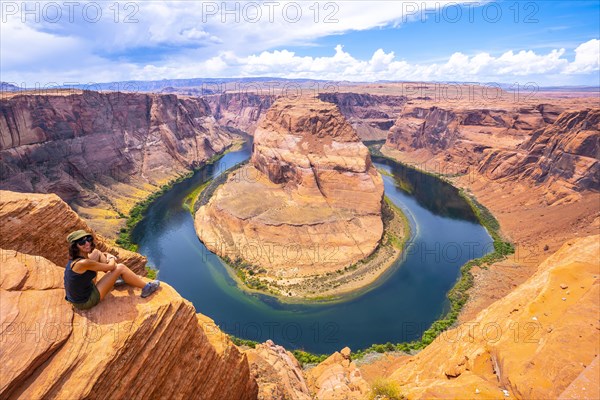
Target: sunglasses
[{"x": 84, "y": 240}]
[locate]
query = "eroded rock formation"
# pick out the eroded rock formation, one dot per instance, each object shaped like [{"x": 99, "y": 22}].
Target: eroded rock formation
[
  {"x": 308, "y": 203},
  {"x": 103, "y": 151},
  {"x": 337, "y": 378},
  {"x": 125, "y": 347},
  {"x": 38, "y": 224},
  {"x": 277, "y": 373}
]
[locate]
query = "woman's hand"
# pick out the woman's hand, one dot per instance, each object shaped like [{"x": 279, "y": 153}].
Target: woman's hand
[{"x": 112, "y": 261}]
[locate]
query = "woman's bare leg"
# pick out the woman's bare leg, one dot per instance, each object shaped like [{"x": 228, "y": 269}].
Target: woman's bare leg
[
  {"x": 106, "y": 283},
  {"x": 131, "y": 277}
]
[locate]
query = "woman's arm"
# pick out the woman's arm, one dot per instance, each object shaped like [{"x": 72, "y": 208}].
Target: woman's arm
[
  {"x": 97, "y": 255},
  {"x": 91, "y": 265}
]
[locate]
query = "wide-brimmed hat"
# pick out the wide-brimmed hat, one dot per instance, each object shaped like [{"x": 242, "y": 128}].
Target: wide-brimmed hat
[{"x": 73, "y": 236}]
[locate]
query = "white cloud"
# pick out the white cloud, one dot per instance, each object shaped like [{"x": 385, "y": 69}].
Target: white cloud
[
  {"x": 190, "y": 39},
  {"x": 341, "y": 65},
  {"x": 587, "y": 58},
  {"x": 240, "y": 26}
]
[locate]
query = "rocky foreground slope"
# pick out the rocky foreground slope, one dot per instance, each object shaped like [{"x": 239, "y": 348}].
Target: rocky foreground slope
[
  {"x": 126, "y": 347},
  {"x": 538, "y": 342},
  {"x": 102, "y": 152},
  {"x": 308, "y": 203},
  {"x": 38, "y": 224}
]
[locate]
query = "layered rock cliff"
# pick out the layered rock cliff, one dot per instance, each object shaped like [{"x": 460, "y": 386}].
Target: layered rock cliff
[
  {"x": 533, "y": 145},
  {"x": 125, "y": 347},
  {"x": 239, "y": 110},
  {"x": 371, "y": 116},
  {"x": 308, "y": 203},
  {"x": 103, "y": 151},
  {"x": 437, "y": 128},
  {"x": 566, "y": 152}
]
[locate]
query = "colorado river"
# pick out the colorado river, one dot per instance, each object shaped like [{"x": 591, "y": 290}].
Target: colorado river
[{"x": 445, "y": 235}]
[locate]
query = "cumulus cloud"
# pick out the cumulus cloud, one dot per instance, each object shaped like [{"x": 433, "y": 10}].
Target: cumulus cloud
[
  {"x": 341, "y": 65},
  {"x": 156, "y": 40},
  {"x": 587, "y": 58}
]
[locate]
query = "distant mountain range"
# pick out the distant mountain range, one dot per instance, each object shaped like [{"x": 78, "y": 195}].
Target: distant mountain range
[
  {"x": 8, "y": 87},
  {"x": 206, "y": 86}
]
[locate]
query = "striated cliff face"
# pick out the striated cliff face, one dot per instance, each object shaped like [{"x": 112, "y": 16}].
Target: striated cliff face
[
  {"x": 564, "y": 153},
  {"x": 529, "y": 144},
  {"x": 371, "y": 116},
  {"x": 126, "y": 347},
  {"x": 103, "y": 150},
  {"x": 537, "y": 342},
  {"x": 439, "y": 128},
  {"x": 239, "y": 110},
  {"x": 308, "y": 203},
  {"x": 433, "y": 128}
]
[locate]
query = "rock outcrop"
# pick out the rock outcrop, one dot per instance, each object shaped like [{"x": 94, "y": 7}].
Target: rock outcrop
[
  {"x": 308, "y": 203},
  {"x": 39, "y": 224},
  {"x": 277, "y": 372},
  {"x": 337, "y": 378},
  {"x": 125, "y": 347},
  {"x": 102, "y": 152},
  {"x": 535, "y": 343}
]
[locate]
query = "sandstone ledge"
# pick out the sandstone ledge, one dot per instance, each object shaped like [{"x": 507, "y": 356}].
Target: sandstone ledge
[
  {"x": 518, "y": 343},
  {"x": 125, "y": 347},
  {"x": 39, "y": 224}
]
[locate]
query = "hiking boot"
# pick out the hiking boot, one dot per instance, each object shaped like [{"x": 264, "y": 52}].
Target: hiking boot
[
  {"x": 119, "y": 282},
  {"x": 150, "y": 288}
]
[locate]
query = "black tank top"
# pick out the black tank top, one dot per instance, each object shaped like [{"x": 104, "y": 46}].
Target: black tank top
[{"x": 78, "y": 287}]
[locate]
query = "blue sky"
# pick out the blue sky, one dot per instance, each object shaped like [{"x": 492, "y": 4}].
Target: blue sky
[
  {"x": 548, "y": 42},
  {"x": 559, "y": 24}
]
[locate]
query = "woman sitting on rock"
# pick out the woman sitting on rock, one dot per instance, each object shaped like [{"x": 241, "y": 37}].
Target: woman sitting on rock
[{"x": 85, "y": 260}]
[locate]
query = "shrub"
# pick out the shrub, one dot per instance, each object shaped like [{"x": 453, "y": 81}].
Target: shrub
[
  {"x": 386, "y": 389},
  {"x": 151, "y": 272},
  {"x": 305, "y": 357}
]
